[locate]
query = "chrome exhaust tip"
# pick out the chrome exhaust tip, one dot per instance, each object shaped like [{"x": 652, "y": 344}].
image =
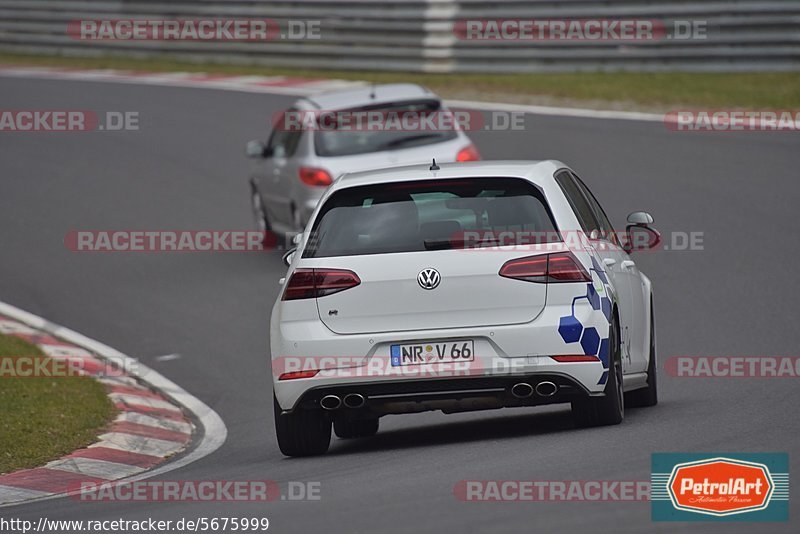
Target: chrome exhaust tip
[
  {"x": 522, "y": 390},
  {"x": 354, "y": 400},
  {"x": 546, "y": 389},
  {"x": 330, "y": 402}
]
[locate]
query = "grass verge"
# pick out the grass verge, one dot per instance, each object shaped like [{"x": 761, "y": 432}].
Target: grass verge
[
  {"x": 44, "y": 418},
  {"x": 608, "y": 90}
]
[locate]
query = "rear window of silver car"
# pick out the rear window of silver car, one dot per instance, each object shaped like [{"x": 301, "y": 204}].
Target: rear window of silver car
[
  {"x": 361, "y": 138},
  {"x": 431, "y": 215}
]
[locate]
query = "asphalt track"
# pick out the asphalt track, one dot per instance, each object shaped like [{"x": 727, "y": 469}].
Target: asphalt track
[{"x": 185, "y": 169}]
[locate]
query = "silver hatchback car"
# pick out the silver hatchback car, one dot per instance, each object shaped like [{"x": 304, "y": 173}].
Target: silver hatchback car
[{"x": 294, "y": 167}]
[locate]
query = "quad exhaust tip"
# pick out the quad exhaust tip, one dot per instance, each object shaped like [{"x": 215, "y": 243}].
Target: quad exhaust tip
[
  {"x": 546, "y": 389},
  {"x": 330, "y": 402},
  {"x": 354, "y": 400},
  {"x": 522, "y": 390}
]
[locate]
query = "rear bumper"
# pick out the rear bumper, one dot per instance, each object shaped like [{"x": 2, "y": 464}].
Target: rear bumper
[
  {"x": 451, "y": 395},
  {"x": 503, "y": 355}
]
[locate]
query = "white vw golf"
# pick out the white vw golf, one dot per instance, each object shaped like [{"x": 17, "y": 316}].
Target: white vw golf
[{"x": 459, "y": 287}]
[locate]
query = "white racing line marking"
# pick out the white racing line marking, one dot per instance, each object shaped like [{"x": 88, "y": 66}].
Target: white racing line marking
[
  {"x": 214, "y": 430},
  {"x": 283, "y": 86},
  {"x": 279, "y": 85},
  {"x": 558, "y": 111},
  {"x": 167, "y": 357}
]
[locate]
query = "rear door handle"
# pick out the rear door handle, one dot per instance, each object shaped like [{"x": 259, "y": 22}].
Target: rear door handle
[
  {"x": 627, "y": 264},
  {"x": 609, "y": 261}
]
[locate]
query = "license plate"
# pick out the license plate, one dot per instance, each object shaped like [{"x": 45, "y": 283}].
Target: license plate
[{"x": 433, "y": 352}]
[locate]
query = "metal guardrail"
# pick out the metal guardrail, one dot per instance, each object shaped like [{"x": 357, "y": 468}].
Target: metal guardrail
[{"x": 418, "y": 35}]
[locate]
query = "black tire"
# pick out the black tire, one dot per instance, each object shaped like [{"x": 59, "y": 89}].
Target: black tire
[
  {"x": 642, "y": 398},
  {"x": 303, "y": 432},
  {"x": 355, "y": 428},
  {"x": 610, "y": 408},
  {"x": 259, "y": 211}
]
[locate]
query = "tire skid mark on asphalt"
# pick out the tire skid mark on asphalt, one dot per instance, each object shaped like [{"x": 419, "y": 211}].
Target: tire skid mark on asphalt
[
  {"x": 146, "y": 420},
  {"x": 117, "y": 456},
  {"x": 94, "y": 468}
]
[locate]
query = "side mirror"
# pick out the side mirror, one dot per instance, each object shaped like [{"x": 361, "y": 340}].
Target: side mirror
[
  {"x": 640, "y": 217},
  {"x": 288, "y": 256},
  {"x": 257, "y": 149},
  {"x": 639, "y": 235}
]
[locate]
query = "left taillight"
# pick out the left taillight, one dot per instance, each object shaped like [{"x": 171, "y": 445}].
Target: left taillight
[
  {"x": 314, "y": 283},
  {"x": 294, "y": 375},
  {"x": 546, "y": 268},
  {"x": 468, "y": 153}
]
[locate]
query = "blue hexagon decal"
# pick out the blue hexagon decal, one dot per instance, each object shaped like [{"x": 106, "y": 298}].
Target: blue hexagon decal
[
  {"x": 570, "y": 328},
  {"x": 594, "y": 298},
  {"x": 590, "y": 341},
  {"x": 605, "y": 303},
  {"x": 603, "y": 354}
]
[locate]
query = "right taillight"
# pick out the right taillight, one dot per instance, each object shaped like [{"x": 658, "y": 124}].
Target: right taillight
[
  {"x": 572, "y": 358},
  {"x": 314, "y": 176},
  {"x": 313, "y": 283},
  {"x": 546, "y": 268}
]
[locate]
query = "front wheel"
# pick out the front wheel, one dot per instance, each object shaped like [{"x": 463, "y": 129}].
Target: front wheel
[
  {"x": 610, "y": 408},
  {"x": 259, "y": 212},
  {"x": 303, "y": 432}
]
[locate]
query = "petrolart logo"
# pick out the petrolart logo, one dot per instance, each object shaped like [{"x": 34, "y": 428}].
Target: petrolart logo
[{"x": 727, "y": 487}]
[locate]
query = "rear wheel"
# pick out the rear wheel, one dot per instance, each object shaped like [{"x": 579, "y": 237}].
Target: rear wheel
[
  {"x": 303, "y": 432},
  {"x": 648, "y": 396},
  {"x": 355, "y": 428},
  {"x": 610, "y": 408}
]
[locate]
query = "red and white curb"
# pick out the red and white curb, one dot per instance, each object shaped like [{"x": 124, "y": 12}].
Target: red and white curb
[
  {"x": 248, "y": 84},
  {"x": 157, "y": 419},
  {"x": 291, "y": 86}
]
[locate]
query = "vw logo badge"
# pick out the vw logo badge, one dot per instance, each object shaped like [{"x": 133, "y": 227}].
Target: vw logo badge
[{"x": 429, "y": 278}]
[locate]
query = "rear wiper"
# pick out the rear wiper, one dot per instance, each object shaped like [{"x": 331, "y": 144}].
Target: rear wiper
[
  {"x": 445, "y": 244},
  {"x": 410, "y": 139}
]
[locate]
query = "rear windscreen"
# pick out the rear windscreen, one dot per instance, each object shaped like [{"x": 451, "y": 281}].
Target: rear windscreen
[
  {"x": 431, "y": 215},
  {"x": 350, "y": 140}
]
